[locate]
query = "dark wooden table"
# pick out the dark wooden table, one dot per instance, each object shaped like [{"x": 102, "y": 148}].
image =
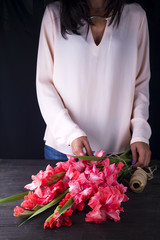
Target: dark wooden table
[{"x": 140, "y": 219}]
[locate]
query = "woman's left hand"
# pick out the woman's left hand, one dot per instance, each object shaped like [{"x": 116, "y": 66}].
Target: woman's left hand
[{"x": 141, "y": 154}]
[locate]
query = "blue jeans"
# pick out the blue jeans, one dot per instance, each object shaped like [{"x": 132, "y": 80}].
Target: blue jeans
[{"x": 52, "y": 154}]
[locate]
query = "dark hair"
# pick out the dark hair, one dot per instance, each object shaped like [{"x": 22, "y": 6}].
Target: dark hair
[{"x": 72, "y": 12}]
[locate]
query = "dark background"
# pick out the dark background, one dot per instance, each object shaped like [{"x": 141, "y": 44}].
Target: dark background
[{"x": 21, "y": 124}]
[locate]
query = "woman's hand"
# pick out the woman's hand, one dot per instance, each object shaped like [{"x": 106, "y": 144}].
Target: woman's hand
[
  {"x": 141, "y": 154},
  {"x": 78, "y": 144}
]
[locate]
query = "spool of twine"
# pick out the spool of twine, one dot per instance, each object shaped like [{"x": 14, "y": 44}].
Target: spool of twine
[{"x": 138, "y": 180}]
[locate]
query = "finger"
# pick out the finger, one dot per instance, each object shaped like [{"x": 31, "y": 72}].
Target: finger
[
  {"x": 88, "y": 148},
  {"x": 148, "y": 158},
  {"x": 78, "y": 150},
  {"x": 81, "y": 154},
  {"x": 141, "y": 159},
  {"x": 134, "y": 155}
]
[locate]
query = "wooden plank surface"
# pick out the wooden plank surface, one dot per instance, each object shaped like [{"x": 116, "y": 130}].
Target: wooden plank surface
[{"x": 140, "y": 219}]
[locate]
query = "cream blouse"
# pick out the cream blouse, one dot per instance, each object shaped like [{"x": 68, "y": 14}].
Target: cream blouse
[{"x": 101, "y": 92}]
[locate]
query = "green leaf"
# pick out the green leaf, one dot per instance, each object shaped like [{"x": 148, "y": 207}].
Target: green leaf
[
  {"x": 120, "y": 159},
  {"x": 49, "y": 218},
  {"x": 55, "y": 211},
  {"x": 126, "y": 156},
  {"x": 66, "y": 206},
  {"x": 90, "y": 158},
  {"x": 37, "y": 207},
  {"x": 25, "y": 214},
  {"x": 13, "y": 198},
  {"x": 56, "y": 177},
  {"x": 52, "y": 203},
  {"x": 126, "y": 153},
  {"x": 28, "y": 213}
]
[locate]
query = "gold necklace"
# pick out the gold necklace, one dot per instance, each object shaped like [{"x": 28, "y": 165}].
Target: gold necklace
[{"x": 95, "y": 16}]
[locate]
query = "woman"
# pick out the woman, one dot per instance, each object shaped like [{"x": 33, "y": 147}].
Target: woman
[{"x": 93, "y": 77}]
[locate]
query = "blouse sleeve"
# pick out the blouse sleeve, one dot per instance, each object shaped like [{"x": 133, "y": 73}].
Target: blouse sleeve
[
  {"x": 55, "y": 115},
  {"x": 141, "y": 130}
]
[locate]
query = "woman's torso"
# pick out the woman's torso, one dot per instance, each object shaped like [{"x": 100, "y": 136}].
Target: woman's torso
[{"x": 96, "y": 82}]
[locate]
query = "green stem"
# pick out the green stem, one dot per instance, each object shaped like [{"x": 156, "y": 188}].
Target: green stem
[{"x": 13, "y": 198}]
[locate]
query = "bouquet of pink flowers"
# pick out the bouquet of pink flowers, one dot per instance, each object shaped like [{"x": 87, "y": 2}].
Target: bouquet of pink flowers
[{"x": 82, "y": 179}]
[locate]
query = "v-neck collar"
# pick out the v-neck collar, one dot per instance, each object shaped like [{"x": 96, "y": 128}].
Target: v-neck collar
[
  {"x": 90, "y": 33},
  {"x": 107, "y": 34}
]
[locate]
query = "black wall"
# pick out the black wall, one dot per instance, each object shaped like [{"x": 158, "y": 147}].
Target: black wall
[{"x": 21, "y": 125}]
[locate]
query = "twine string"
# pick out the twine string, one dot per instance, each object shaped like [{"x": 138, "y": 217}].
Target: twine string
[
  {"x": 116, "y": 156},
  {"x": 139, "y": 178},
  {"x": 149, "y": 174}
]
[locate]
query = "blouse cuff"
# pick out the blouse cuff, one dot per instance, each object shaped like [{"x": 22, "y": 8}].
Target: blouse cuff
[
  {"x": 76, "y": 134},
  {"x": 139, "y": 139},
  {"x": 141, "y": 130}
]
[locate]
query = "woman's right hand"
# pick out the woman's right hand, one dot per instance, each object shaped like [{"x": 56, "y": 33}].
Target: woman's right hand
[{"x": 79, "y": 144}]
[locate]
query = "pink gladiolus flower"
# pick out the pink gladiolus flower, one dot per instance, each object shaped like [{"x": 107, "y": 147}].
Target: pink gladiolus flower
[
  {"x": 71, "y": 173},
  {"x": 79, "y": 166},
  {"x": 48, "y": 193},
  {"x": 95, "y": 181},
  {"x": 100, "y": 153},
  {"x": 106, "y": 204},
  {"x": 105, "y": 162},
  {"x": 63, "y": 219},
  {"x": 79, "y": 206},
  {"x": 65, "y": 199},
  {"x": 41, "y": 178},
  {"x": 38, "y": 180},
  {"x": 80, "y": 189},
  {"x": 65, "y": 165},
  {"x": 94, "y": 176},
  {"x": 30, "y": 201},
  {"x": 18, "y": 210},
  {"x": 44, "y": 195}
]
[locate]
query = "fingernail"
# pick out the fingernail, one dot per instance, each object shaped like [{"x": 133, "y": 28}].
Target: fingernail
[
  {"x": 133, "y": 161},
  {"x": 81, "y": 154},
  {"x": 92, "y": 155}
]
